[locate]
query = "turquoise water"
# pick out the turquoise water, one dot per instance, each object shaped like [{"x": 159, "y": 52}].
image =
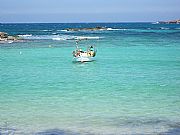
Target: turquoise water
[{"x": 133, "y": 87}]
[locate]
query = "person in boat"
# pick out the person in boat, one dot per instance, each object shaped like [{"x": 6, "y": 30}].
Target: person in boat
[
  {"x": 91, "y": 52},
  {"x": 76, "y": 53},
  {"x": 91, "y": 48}
]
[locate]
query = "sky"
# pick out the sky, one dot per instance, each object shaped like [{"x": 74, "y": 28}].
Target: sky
[{"x": 67, "y": 11}]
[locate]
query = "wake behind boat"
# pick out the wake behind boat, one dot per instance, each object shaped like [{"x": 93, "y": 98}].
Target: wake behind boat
[{"x": 84, "y": 56}]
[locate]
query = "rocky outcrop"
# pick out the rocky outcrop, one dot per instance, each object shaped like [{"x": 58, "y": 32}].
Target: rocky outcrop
[
  {"x": 86, "y": 29},
  {"x": 170, "y": 22},
  {"x": 5, "y": 37}
]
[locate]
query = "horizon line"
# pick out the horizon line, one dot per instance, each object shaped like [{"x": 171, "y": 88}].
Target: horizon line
[{"x": 81, "y": 22}]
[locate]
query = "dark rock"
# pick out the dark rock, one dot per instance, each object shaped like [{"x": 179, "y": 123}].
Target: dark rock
[
  {"x": 4, "y": 38},
  {"x": 86, "y": 29},
  {"x": 3, "y": 35},
  {"x": 170, "y": 22}
]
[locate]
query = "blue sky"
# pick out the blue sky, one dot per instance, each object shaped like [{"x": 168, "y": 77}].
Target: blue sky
[{"x": 88, "y": 10}]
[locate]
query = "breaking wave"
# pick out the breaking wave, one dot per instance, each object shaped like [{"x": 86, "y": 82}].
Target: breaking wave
[
  {"x": 111, "y": 29},
  {"x": 58, "y": 37},
  {"x": 75, "y": 38},
  {"x": 164, "y": 28},
  {"x": 26, "y": 35},
  {"x": 62, "y": 30},
  {"x": 46, "y": 30},
  {"x": 103, "y": 29},
  {"x": 83, "y": 37}
]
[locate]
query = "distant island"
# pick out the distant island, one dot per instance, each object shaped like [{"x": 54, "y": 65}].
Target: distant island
[
  {"x": 86, "y": 29},
  {"x": 6, "y": 38},
  {"x": 170, "y": 22}
]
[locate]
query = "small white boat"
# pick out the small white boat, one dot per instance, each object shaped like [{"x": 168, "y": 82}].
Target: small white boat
[{"x": 84, "y": 56}]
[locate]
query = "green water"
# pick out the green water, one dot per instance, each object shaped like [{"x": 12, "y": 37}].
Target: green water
[{"x": 127, "y": 90}]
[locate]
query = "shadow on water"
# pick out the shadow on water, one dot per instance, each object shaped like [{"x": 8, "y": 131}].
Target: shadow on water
[
  {"x": 59, "y": 132},
  {"x": 173, "y": 131},
  {"x": 55, "y": 132},
  {"x": 11, "y": 131},
  {"x": 7, "y": 131},
  {"x": 83, "y": 62}
]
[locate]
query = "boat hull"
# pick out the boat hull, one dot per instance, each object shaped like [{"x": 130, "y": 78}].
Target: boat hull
[{"x": 83, "y": 59}]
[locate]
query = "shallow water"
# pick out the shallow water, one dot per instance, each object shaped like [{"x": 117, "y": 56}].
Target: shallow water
[{"x": 131, "y": 88}]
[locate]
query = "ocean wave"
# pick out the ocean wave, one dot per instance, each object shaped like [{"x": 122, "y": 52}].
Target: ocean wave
[
  {"x": 75, "y": 38},
  {"x": 26, "y": 35},
  {"x": 111, "y": 29},
  {"x": 103, "y": 29},
  {"x": 34, "y": 37},
  {"x": 9, "y": 42},
  {"x": 164, "y": 28},
  {"x": 85, "y": 38},
  {"x": 62, "y": 37},
  {"x": 59, "y": 37},
  {"x": 62, "y": 30},
  {"x": 46, "y": 30}
]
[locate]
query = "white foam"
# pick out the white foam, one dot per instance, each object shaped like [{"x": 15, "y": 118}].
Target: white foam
[
  {"x": 164, "y": 28},
  {"x": 37, "y": 37},
  {"x": 46, "y": 30},
  {"x": 74, "y": 38},
  {"x": 59, "y": 37},
  {"x": 111, "y": 29},
  {"x": 155, "y": 23},
  {"x": 9, "y": 42},
  {"x": 26, "y": 35},
  {"x": 62, "y": 30},
  {"x": 85, "y": 38}
]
